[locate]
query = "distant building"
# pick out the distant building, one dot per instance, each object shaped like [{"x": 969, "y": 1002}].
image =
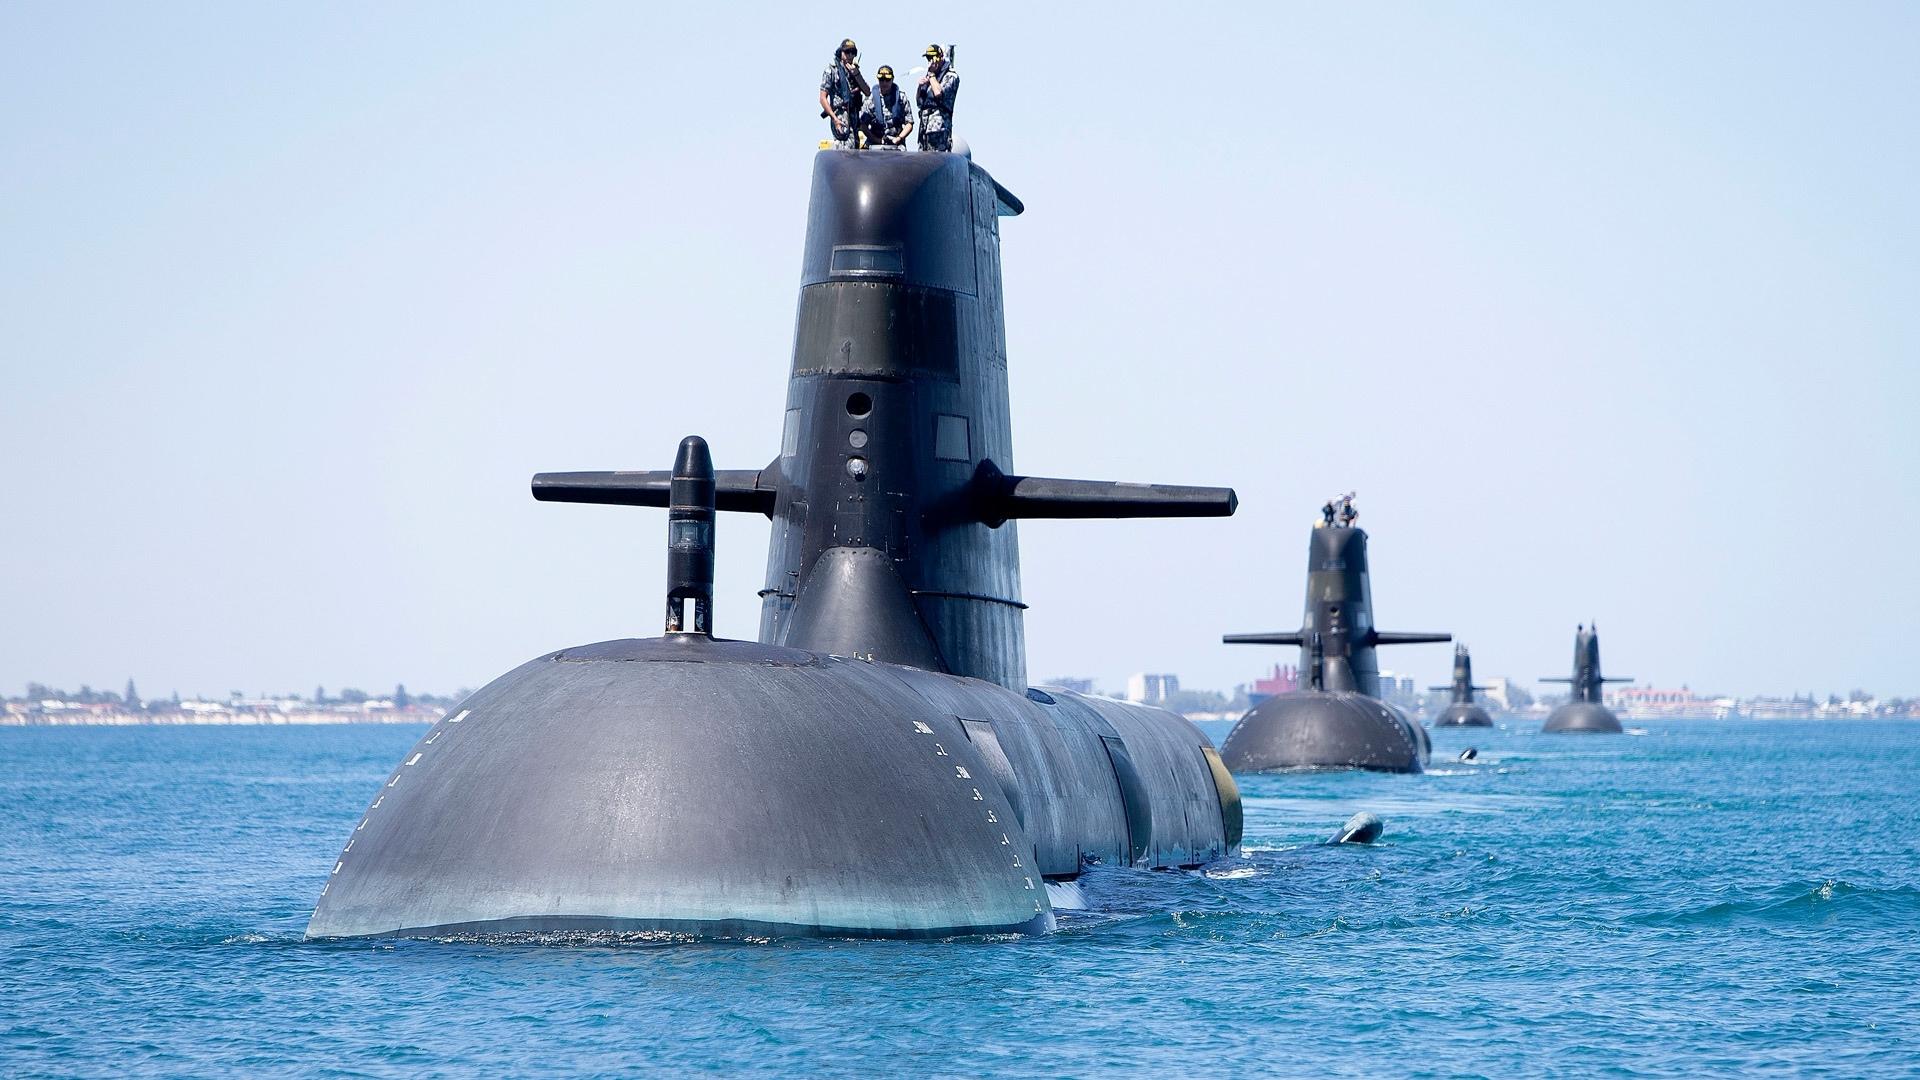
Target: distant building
[
  {"x": 1399, "y": 690},
  {"x": 46, "y": 706},
  {"x": 1498, "y": 692},
  {"x": 1284, "y": 680},
  {"x": 1078, "y": 686},
  {"x": 1773, "y": 708},
  {"x": 1151, "y": 689},
  {"x": 1646, "y": 703}
]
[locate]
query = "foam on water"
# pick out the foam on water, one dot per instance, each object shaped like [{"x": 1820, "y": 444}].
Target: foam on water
[{"x": 1714, "y": 898}]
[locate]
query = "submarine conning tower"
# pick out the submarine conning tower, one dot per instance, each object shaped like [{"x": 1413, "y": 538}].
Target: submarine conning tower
[
  {"x": 896, "y": 402},
  {"x": 894, "y": 495},
  {"x": 1586, "y": 680},
  {"x": 894, "y": 530},
  {"x": 1337, "y": 636},
  {"x": 1462, "y": 687}
]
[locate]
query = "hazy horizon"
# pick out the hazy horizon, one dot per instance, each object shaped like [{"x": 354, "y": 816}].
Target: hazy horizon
[{"x": 1607, "y": 315}]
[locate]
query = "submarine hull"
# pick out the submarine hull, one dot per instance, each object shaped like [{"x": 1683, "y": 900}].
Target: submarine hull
[
  {"x": 718, "y": 788},
  {"x": 1463, "y": 715},
  {"x": 1334, "y": 729},
  {"x": 1587, "y": 716},
  {"x": 876, "y": 766}
]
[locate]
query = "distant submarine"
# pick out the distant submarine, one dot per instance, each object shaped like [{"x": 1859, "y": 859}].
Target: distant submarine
[
  {"x": 1338, "y": 719},
  {"x": 875, "y": 765},
  {"x": 1462, "y": 711},
  {"x": 1583, "y": 710}
]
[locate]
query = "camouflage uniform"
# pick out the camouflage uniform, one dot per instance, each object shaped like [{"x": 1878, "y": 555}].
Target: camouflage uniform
[
  {"x": 936, "y": 114},
  {"x": 885, "y": 119},
  {"x": 837, "y": 83}
]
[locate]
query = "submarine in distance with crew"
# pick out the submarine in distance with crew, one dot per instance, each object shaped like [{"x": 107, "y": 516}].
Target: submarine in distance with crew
[
  {"x": 875, "y": 764},
  {"x": 1337, "y": 720},
  {"x": 1584, "y": 710},
  {"x": 1462, "y": 711}
]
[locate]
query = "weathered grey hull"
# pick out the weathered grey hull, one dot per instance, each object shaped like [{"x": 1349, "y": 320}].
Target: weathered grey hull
[
  {"x": 735, "y": 789},
  {"x": 1587, "y": 716},
  {"x": 1463, "y": 715},
  {"x": 1334, "y": 729}
]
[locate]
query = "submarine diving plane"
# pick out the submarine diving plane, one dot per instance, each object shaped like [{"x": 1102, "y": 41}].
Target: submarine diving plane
[
  {"x": 1462, "y": 711},
  {"x": 1337, "y": 720},
  {"x": 1583, "y": 709},
  {"x": 875, "y": 764}
]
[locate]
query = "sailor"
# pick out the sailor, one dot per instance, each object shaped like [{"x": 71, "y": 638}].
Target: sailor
[
  {"x": 938, "y": 89},
  {"x": 1327, "y": 512},
  {"x": 886, "y": 118},
  {"x": 841, "y": 89}
]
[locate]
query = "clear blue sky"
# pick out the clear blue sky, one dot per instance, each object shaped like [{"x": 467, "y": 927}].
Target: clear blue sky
[{"x": 1607, "y": 312}]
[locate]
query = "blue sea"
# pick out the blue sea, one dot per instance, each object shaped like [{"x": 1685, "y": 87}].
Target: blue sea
[{"x": 1692, "y": 898}]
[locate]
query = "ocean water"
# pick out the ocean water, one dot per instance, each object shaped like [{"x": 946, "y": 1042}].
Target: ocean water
[{"x": 1693, "y": 898}]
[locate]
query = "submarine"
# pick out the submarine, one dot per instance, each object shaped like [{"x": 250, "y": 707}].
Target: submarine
[
  {"x": 874, "y": 764},
  {"x": 1583, "y": 709},
  {"x": 1337, "y": 721},
  {"x": 1462, "y": 711}
]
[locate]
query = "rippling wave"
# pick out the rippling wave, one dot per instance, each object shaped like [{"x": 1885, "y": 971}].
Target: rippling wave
[
  {"x": 1715, "y": 898},
  {"x": 1802, "y": 902}
]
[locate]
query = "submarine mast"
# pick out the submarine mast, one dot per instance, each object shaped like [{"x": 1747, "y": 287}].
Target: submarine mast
[{"x": 690, "y": 540}]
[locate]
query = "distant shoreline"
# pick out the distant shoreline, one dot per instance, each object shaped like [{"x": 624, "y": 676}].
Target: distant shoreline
[
  {"x": 297, "y": 719},
  {"x": 423, "y": 717}
]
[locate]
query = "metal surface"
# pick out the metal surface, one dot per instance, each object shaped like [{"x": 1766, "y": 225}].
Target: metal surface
[
  {"x": 1323, "y": 729},
  {"x": 690, "y": 541},
  {"x": 1462, "y": 711},
  {"x": 690, "y": 786},
  {"x": 878, "y": 767},
  {"x": 1000, "y": 498},
  {"x": 1584, "y": 710},
  {"x": 1336, "y": 721},
  {"x": 898, "y": 435},
  {"x": 749, "y": 490},
  {"x": 1361, "y": 828},
  {"x": 716, "y": 788}
]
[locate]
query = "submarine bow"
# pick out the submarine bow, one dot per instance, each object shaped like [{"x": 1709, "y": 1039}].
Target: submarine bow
[{"x": 875, "y": 765}]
